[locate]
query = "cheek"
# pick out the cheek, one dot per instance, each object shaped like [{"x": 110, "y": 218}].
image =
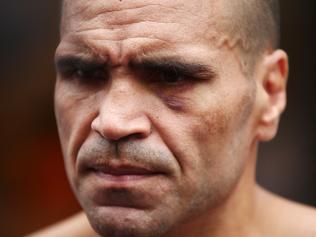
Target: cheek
[
  {"x": 209, "y": 174},
  {"x": 210, "y": 125},
  {"x": 210, "y": 130},
  {"x": 210, "y": 133},
  {"x": 74, "y": 115},
  {"x": 218, "y": 145},
  {"x": 64, "y": 117},
  {"x": 223, "y": 123}
]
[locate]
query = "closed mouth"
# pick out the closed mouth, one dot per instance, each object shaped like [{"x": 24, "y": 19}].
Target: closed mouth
[{"x": 123, "y": 172}]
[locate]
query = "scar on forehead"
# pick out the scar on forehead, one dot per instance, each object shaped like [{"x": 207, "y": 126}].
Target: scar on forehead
[{"x": 236, "y": 46}]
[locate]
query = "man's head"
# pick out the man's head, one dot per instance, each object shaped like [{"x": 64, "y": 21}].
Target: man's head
[{"x": 158, "y": 115}]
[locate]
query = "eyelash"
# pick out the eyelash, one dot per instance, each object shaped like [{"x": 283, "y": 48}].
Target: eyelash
[
  {"x": 172, "y": 77},
  {"x": 85, "y": 74},
  {"x": 168, "y": 76}
]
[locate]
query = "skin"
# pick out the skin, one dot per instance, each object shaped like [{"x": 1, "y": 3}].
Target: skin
[{"x": 195, "y": 132}]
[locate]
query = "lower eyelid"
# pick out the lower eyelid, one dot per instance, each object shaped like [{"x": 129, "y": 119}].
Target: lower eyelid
[{"x": 172, "y": 101}]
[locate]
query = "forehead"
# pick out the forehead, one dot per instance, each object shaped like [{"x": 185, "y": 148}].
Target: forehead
[
  {"x": 128, "y": 27},
  {"x": 102, "y": 13}
]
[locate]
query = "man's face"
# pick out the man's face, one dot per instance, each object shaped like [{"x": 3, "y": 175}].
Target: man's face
[{"x": 154, "y": 113}]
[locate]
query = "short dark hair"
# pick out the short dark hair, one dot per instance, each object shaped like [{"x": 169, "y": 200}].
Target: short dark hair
[
  {"x": 256, "y": 23},
  {"x": 261, "y": 23}
]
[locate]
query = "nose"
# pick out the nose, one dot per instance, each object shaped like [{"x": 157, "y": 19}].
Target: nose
[{"x": 122, "y": 112}]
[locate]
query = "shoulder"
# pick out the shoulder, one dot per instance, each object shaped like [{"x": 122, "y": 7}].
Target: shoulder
[
  {"x": 287, "y": 218},
  {"x": 75, "y": 226}
]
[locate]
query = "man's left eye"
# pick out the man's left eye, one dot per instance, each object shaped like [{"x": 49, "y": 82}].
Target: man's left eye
[{"x": 172, "y": 77}]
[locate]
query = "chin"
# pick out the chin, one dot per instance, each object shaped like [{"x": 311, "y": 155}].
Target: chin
[{"x": 128, "y": 222}]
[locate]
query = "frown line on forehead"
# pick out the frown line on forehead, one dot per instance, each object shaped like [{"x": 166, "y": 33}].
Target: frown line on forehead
[
  {"x": 173, "y": 19},
  {"x": 134, "y": 49},
  {"x": 90, "y": 8},
  {"x": 111, "y": 50}
]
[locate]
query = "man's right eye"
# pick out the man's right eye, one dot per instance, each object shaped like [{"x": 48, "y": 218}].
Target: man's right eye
[
  {"x": 80, "y": 70},
  {"x": 89, "y": 74},
  {"x": 85, "y": 75}
]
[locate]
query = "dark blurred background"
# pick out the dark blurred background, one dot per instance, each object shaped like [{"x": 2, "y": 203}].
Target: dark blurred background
[{"x": 34, "y": 190}]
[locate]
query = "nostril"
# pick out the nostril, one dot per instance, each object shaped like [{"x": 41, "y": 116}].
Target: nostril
[
  {"x": 140, "y": 135},
  {"x": 134, "y": 136}
]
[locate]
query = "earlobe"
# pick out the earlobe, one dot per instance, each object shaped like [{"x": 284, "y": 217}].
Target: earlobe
[{"x": 273, "y": 96}]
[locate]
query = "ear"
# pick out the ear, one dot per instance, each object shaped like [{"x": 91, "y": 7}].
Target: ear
[{"x": 272, "y": 93}]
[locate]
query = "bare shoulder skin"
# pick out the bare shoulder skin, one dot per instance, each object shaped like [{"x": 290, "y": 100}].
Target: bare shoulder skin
[
  {"x": 282, "y": 217},
  {"x": 74, "y": 226},
  {"x": 276, "y": 216}
]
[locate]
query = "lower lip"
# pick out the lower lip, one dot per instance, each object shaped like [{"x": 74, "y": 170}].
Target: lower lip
[{"x": 123, "y": 178}]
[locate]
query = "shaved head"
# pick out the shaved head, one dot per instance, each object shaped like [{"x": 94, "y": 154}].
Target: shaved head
[
  {"x": 252, "y": 24},
  {"x": 255, "y": 22}
]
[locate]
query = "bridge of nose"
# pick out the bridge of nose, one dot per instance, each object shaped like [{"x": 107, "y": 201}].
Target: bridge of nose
[{"x": 123, "y": 108}]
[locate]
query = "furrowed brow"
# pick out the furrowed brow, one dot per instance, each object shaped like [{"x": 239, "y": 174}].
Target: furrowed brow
[{"x": 175, "y": 64}]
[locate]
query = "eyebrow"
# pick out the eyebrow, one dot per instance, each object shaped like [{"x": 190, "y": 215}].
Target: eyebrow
[
  {"x": 156, "y": 64},
  {"x": 161, "y": 64}
]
